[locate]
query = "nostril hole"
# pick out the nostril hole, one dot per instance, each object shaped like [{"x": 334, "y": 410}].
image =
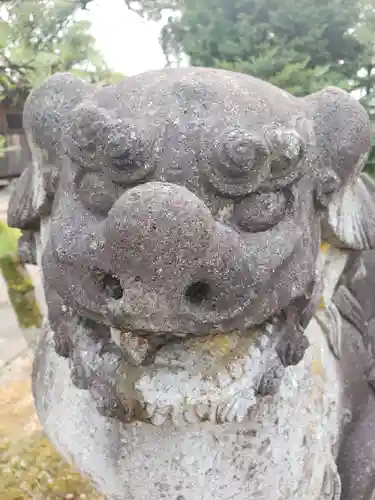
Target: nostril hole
[
  {"x": 112, "y": 286},
  {"x": 198, "y": 292}
]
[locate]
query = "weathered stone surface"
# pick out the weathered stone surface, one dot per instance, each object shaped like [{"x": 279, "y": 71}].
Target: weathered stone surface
[
  {"x": 284, "y": 450},
  {"x": 177, "y": 218}
]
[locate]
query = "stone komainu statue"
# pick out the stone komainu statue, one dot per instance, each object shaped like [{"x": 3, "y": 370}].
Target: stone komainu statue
[{"x": 205, "y": 242}]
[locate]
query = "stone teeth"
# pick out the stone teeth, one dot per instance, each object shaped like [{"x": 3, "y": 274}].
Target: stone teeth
[
  {"x": 159, "y": 417},
  {"x": 236, "y": 409},
  {"x": 190, "y": 415},
  {"x": 221, "y": 412},
  {"x": 177, "y": 417},
  {"x": 202, "y": 410},
  {"x": 212, "y": 413},
  {"x": 150, "y": 409}
]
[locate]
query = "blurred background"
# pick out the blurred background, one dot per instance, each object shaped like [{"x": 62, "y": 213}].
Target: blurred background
[{"x": 299, "y": 45}]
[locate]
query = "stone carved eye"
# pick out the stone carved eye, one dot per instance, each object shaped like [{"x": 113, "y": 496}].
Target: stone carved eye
[
  {"x": 81, "y": 136},
  {"x": 98, "y": 141},
  {"x": 123, "y": 160},
  {"x": 287, "y": 150},
  {"x": 241, "y": 161},
  {"x": 260, "y": 211},
  {"x": 125, "y": 155}
]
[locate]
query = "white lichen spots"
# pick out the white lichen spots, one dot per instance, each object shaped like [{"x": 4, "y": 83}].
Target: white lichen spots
[
  {"x": 235, "y": 369},
  {"x": 191, "y": 415},
  {"x": 223, "y": 379},
  {"x": 237, "y": 409},
  {"x": 202, "y": 410},
  {"x": 159, "y": 417},
  {"x": 183, "y": 387},
  {"x": 150, "y": 409}
]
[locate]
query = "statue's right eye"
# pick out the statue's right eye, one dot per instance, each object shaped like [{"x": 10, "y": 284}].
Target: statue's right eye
[
  {"x": 123, "y": 160},
  {"x": 240, "y": 163}
]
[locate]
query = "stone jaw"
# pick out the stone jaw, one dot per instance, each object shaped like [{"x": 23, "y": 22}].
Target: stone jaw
[{"x": 215, "y": 379}]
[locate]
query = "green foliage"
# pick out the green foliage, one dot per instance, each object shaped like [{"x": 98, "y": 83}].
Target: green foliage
[
  {"x": 32, "y": 469},
  {"x": 296, "y": 77},
  {"x": 41, "y": 37},
  {"x": 152, "y": 9},
  {"x": 19, "y": 284},
  {"x": 8, "y": 240},
  {"x": 370, "y": 166},
  {"x": 298, "y": 45}
]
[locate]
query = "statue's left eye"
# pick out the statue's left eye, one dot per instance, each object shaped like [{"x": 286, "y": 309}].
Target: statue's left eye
[
  {"x": 127, "y": 159},
  {"x": 123, "y": 160},
  {"x": 287, "y": 151}
]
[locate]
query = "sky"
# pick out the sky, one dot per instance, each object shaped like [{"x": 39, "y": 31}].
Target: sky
[{"x": 129, "y": 44}]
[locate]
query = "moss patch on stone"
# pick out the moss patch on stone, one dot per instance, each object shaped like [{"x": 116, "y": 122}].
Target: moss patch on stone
[{"x": 30, "y": 467}]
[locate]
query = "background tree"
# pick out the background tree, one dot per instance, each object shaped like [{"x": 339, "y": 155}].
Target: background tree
[
  {"x": 364, "y": 81},
  {"x": 153, "y": 9},
  {"x": 41, "y": 37},
  {"x": 299, "y": 45}
]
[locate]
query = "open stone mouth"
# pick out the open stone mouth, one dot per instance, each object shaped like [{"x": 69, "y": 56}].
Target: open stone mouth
[
  {"x": 160, "y": 377},
  {"x": 216, "y": 378}
]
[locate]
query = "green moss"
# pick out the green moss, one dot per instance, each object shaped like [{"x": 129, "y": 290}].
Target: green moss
[
  {"x": 8, "y": 240},
  {"x": 20, "y": 286},
  {"x": 32, "y": 469},
  {"x": 21, "y": 292}
]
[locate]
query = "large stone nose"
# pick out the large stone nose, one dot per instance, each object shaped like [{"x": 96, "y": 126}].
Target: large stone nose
[
  {"x": 158, "y": 231},
  {"x": 176, "y": 264}
]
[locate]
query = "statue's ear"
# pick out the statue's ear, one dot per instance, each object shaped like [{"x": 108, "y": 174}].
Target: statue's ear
[
  {"x": 32, "y": 196},
  {"x": 349, "y": 220},
  {"x": 48, "y": 106},
  {"x": 343, "y": 140},
  {"x": 44, "y": 116}
]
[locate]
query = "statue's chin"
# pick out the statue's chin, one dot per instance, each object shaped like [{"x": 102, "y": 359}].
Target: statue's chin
[{"x": 215, "y": 378}]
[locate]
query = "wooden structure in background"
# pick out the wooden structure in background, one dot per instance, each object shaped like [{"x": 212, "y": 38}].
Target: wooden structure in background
[{"x": 13, "y": 162}]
